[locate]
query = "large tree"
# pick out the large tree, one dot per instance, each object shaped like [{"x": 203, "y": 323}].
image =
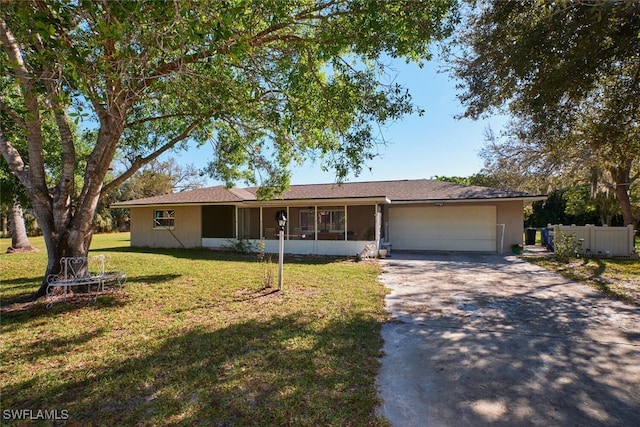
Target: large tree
[
  {"x": 569, "y": 74},
  {"x": 268, "y": 83}
]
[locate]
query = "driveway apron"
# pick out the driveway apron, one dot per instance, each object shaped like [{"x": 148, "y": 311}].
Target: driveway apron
[{"x": 481, "y": 339}]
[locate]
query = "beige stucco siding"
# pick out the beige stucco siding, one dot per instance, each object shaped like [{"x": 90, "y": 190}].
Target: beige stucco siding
[
  {"x": 187, "y": 229},
  {"x": 511, "y": 214},
  {"x": 188, "y": 224}
]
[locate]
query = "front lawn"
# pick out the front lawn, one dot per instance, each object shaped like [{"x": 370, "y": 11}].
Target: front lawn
[
  {"x": 195, "y": 338},
  {"x": 617, "y": 278}
]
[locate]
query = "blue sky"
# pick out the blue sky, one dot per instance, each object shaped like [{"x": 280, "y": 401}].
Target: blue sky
[{"x": 418, "y": 147}]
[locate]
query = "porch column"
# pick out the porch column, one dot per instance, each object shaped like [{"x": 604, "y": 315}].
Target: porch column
[
  {"x": 261, "y": 229},
  {"x": 315, "y": 222},
  {"x": 378, "y": 217},
  {"x": 346, "y": 222},
  {"x": 236, "y": 221},
  {"x": 288, "y": 222}
]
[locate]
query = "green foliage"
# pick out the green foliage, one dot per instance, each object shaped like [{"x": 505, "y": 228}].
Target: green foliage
[
  {"x": 565, "y": 246},
  {"x": 567, "y": 206},
  {"x": 239, "y": 246},
  {"x": 456, "y": 179},
  {"x": 158, "y": 178},
  {"x": 479, "y": 179},
  {"x": 567, "y": 73},
  {"x": 103, "y": 222}
]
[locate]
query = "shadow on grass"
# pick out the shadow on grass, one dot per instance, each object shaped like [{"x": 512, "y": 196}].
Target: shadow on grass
[
  {"x": 21, "y": 290},
  {"x": 23, "y": 299},
  {"x": 282, "y": 371},
  {"x": 16, "y": 312},
  {"x": 58, "y": 346},
  {"x": 21, "y": 282},
  {"x": 599, "y": 271},
  {"x": 153, "y": 279},
  {"x": 596, "y": 278},
  {"x": 30, "y": 292}
]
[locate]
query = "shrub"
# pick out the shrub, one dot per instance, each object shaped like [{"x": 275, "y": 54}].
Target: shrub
[
  {"x": 267, "y": 266},
  {"x": 240, "y": 246},
  {"x": 566, "y": 246}
]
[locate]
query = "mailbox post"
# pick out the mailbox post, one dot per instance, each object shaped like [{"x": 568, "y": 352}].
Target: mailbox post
[{"x": 281, "y": 218}]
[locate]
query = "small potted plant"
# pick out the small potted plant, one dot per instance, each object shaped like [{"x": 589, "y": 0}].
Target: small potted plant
[{"x": 516, "y": 249}]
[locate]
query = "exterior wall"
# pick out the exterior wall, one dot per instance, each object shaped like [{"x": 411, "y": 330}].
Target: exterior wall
[
  {"x": 300, "y": 247},
  {"x": 187, "y": 228},
  {"x": 511, "y": 214}
]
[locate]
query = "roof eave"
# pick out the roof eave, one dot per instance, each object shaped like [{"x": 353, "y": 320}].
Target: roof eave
[
  {"x": 258, "y": 203},
  {"x": 322, "y": 201},
  {"x": 474, "y": 200}
]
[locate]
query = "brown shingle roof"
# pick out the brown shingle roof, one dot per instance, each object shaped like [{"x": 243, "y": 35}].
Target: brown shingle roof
[
  {"x": 395, "y": 191},
  {"x": 199, "y": 195}
]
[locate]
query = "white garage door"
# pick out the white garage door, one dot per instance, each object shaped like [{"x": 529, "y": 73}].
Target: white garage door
[{"x": 448, "y": 228}]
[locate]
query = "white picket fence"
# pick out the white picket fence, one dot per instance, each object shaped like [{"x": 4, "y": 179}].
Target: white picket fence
[{"x": 601, "y": 241}]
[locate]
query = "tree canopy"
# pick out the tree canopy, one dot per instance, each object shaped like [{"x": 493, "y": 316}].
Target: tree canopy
[
  {"x": 267, "y": 83},
  {"x": 569, "y": 74}
]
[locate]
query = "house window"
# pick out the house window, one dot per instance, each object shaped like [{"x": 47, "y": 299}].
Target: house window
[
  {"x": 331, "y": 220},
  {"x": 164, "y": 219},
  {"x": 307, "y": 223}
]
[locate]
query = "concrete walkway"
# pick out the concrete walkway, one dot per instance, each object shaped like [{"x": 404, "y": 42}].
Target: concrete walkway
[{"x": 492, "y": 340}]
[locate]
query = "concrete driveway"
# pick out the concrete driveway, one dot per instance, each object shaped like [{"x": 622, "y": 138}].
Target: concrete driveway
[{"x": 491, "y": 340}]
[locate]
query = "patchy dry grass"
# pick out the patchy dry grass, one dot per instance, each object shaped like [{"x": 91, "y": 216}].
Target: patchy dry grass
[
  {"x": 617, "y": 278},
  {"x": 196, "y": 339}
]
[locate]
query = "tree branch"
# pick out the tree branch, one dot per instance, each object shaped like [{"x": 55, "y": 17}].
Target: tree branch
[
  {"x": 141, "y": 161},
  {"x": 259, "y": 39},
  {"x": 36, "y": 172},
  {"x": 12, "y": 114},
  {"x": 14, "y": 160},
  {"x": 155, "y": 118}
]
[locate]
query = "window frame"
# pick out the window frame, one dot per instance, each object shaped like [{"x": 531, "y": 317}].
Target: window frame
[
  {"x": 166, "y": 215},
  {"x": 334, "y": 220}
]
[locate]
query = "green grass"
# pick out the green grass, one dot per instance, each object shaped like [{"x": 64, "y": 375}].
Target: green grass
[
  {"x": 195, "y": 338},
  {"x": 619, "y": 279}
]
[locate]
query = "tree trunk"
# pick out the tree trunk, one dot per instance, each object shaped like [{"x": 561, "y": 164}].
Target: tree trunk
[
  {"x": 68, "y": 230},
  {"x": 66, "y": 243},
  {"x": 19, "y": 239},
  {"x": 625, "y": 205},
  {"x": 5, "y": 232},
  {"x": 622, "y": 179}
]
